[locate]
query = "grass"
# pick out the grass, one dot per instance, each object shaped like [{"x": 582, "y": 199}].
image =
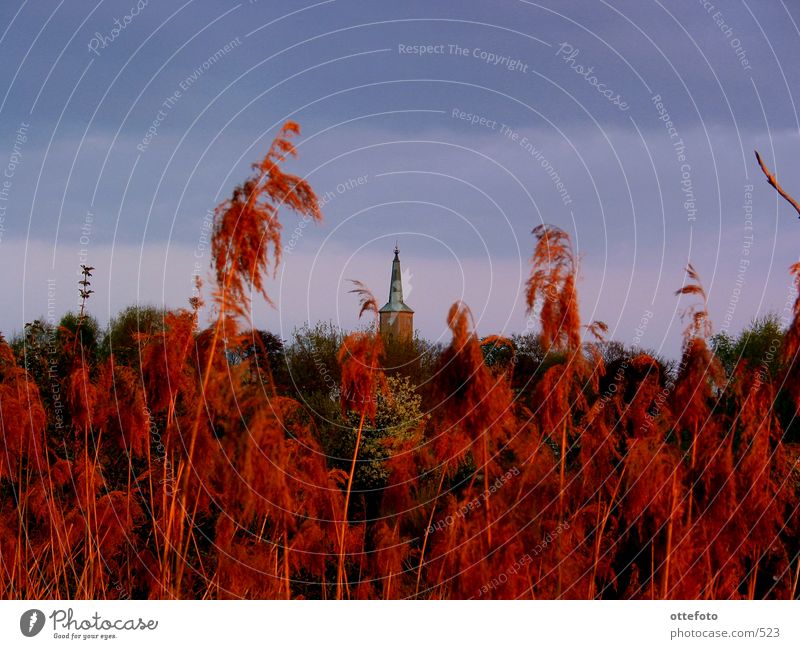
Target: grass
[{"x": 175, "y": 472}]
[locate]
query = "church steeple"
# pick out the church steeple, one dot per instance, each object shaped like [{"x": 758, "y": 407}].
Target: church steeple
[
  {"x": 396, "y": 285},
  {"x": 396, "y": 315}
]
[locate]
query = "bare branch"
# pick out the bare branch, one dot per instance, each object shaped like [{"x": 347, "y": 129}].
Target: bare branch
[{"x": 773, "y": 181}]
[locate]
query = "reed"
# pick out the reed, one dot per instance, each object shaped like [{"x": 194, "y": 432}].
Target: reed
[{"x": 177, "y": 464}]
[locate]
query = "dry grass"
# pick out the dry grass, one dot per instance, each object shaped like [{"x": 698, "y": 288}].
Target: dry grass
[{"x": 180, "y": 475}]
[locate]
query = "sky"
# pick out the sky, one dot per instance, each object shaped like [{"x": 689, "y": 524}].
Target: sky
[{"x": 450, "y": 128}]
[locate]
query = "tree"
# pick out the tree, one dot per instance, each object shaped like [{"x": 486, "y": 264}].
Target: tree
[
  {"x": 751, "y": 347},
  {"x": 129, "y": 332},
  {"x": 267, "y": 357},
  {"x": 398, "y": 414},
  {"x": 311, "y": 359}
]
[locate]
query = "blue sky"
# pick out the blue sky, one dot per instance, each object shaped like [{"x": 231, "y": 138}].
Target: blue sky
[{"x": 117, "y": 151}]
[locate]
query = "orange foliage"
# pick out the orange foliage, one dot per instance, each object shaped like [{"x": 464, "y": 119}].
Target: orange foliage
[{"x": 187, "y": 477}]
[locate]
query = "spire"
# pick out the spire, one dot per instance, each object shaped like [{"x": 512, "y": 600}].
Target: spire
[
  {"x": 396, "y": 286},
  {"x": 395, "y": 302}
]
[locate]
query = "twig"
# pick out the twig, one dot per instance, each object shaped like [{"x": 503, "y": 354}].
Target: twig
[{"x": 773, "y": 181}]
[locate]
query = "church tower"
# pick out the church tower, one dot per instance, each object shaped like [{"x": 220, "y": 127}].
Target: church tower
[{"x": 397, "y": 318}]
